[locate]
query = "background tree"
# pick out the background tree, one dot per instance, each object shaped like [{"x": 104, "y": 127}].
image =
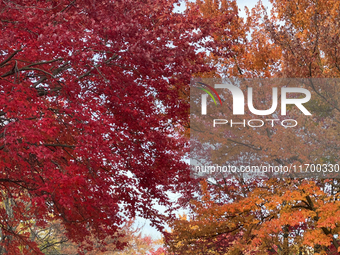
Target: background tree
[
  {"x": 282, "y": 215},
  {"x": 137, "y": 243}
]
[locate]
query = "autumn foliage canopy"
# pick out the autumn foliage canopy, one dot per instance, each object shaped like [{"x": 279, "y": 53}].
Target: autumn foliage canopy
[
  {"x": 297, "y": 39},
  {"x": 94, "y": 125},
  {"x": 91, "y": 113}
]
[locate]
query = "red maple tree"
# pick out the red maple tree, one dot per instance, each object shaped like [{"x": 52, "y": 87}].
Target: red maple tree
[{"x": 90, "y": 109}]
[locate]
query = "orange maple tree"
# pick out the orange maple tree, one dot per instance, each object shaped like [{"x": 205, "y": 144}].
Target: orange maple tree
[{"x": 300, "y": 39}]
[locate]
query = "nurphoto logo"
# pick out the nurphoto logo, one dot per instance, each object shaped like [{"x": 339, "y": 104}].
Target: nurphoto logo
[
  {"x": 238, "y": 105},
  {"x": 238, "y": 99},
  {"x": 250, "y": 127}
]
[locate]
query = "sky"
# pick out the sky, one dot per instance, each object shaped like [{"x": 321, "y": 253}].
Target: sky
[
  {"x": 241, "y": 4},
  {"x": 145, "y": 224},
  {"x": 250, "y": 4}
]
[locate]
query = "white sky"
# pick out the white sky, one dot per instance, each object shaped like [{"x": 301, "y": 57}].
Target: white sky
[{"x": 250, "y": 4}]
